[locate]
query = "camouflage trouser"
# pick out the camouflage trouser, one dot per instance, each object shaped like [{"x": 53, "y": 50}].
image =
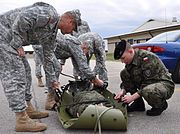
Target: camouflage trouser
[
  {"x": 15, "y": 75},
  {"x": 83, "y": 96},
  {"x": 39, "y": 59},
  {"x": 155, "y": 94}
]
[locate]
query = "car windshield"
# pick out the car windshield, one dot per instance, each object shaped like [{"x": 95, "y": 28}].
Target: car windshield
[{"x": 166, "y": 37}]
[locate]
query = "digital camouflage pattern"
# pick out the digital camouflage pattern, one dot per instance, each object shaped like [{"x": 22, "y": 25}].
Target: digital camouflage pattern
[
  {"x": 82, "y": 27},
  {"x": 148, "y": 76},
  {"x": 39, "y": 60},
  {"x": 69, "y": 47},
  {"x": 97, "y": 48},
  {"x": 84, "y": 96},
  {"x": 35, "y": 24}
]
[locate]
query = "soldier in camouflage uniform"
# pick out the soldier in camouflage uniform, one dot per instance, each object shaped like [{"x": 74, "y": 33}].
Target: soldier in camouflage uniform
[
  {"x": 83, "y": 26},
  {"x": 92, "y": 43},
  {"x": 144, "y": 76},
  {"x": 69, "y": 46},
  {"x": 39, "y": 59},
  {"x": 50, "y": 101},
  {"x": 34, "y": 24}
]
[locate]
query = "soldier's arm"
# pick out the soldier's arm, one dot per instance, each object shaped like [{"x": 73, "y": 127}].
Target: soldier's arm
[
  {"x": 100, "y": 67},
  {"x": 80, "y": 58},
  {"x": 126, "y": 84},
  {"x": 152, "y": 69},
  {"x": 49, "y": 56}
]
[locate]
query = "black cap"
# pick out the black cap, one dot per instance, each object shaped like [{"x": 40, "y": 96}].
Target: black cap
[{"x": 119, "y": 49}]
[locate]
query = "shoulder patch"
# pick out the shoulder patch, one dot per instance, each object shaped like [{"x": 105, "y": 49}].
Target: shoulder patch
[{"x": 145, "y": 59}]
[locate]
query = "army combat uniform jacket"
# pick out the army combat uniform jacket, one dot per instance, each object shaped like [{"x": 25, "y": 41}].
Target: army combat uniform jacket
[
  {"x": 83, "y": 28},
  {"x": 148, "y": 76},
  {"x": 35, "y": 24},
  {"x": 69, "y": 47},
  {"x": 97, "y": 48}
]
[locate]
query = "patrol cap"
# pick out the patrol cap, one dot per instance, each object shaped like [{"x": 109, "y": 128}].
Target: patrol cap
[
  {"x": 78, "y": 16},
  {"x": 119, "y": 49}
]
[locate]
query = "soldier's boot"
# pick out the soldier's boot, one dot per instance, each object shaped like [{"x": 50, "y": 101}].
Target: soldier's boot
[
  {"x": 34, "y": 114},
  {"x": 157, "y": 111},
  {"x": 50, "y": 102},
  {"x": 137, "y": 105},
  {"x": 40, "y": 83},
  {"x": 26, "y": 124}
]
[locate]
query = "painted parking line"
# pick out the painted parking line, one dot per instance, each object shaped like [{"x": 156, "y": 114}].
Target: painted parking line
[{"x": 178, "y": 89}]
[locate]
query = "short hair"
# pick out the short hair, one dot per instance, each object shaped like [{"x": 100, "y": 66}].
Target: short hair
[{"x": 72, "y": 16}]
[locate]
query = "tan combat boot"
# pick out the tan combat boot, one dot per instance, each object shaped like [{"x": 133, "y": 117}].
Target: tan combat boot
[
  {"x": 33, "y": 114},
  {"x": 40, "y": 83},
  {"x": 50, "y": 102},
  {"x": 26, "y": 124}
]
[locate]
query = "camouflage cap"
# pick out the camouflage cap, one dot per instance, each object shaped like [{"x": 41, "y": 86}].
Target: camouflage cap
[{"x": 119, "y": 49}]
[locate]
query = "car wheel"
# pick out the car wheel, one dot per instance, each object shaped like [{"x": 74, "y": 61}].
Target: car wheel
[{"x": 176, "y": 73}]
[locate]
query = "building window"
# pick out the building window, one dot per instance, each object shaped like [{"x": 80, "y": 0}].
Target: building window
[{"x": 130, "y": 41}]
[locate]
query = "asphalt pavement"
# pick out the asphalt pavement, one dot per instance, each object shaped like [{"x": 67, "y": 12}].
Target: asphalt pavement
[{"x": 138, "y": 123}]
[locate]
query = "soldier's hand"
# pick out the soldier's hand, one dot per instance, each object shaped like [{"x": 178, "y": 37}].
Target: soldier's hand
[
  {"x": 127, "y": 99},
  {"x": 55, "y": 85},
  {"x": 21, "y": 52},
  {"x": 98, "y": 82},
  {"x": 119, "y": 95}
]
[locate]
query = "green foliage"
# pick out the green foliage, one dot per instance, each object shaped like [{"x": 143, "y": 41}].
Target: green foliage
[{"x": 109, "y": 57}]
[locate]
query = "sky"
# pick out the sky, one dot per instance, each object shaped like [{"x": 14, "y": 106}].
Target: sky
[{"x": 109, "y": 17}]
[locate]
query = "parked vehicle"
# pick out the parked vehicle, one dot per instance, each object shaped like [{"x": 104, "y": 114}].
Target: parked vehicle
[
  {"x": 167, "y": 47},
  {"x": 28, "y": 49}
]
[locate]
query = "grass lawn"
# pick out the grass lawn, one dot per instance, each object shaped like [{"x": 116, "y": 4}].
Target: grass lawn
[{"x": 109, "y": 57}]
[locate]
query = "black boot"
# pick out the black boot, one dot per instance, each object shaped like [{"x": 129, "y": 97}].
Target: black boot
[
  {"x": 157, "y": 111},
  {"x": 137, "y": 105}
]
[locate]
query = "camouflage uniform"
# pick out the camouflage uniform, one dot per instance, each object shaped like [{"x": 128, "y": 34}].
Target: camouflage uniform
[
  {"x": 148, "y": 76},
  {"x": 83, "y": 26},
  {"x": 57, "y": 69},
  {"x": 97, "y": 48},
  {"x": 35, "y": 24},
  {"x": 39, "y": 59},
  {"x": 69, "y": 46}
]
